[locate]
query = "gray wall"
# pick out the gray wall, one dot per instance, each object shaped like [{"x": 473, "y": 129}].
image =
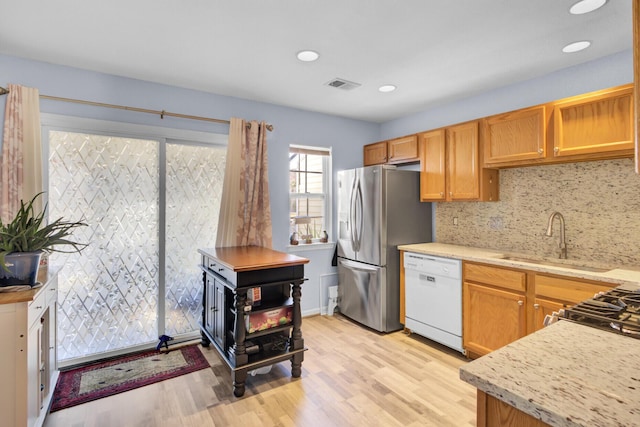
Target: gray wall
[
  {"x": 613, "y": 70},
  {"x": 291, "y": 126}
]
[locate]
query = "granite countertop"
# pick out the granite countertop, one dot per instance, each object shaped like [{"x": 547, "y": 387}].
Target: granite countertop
[
  {"x": 565, "y": 375},
  {"x": 613, "y": 274}
]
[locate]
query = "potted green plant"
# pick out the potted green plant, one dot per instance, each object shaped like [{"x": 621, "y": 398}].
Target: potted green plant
[{"x": 25, "y": 238}]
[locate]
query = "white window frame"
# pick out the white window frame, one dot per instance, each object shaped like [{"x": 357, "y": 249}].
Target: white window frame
[{"x": 327, "y": 174}]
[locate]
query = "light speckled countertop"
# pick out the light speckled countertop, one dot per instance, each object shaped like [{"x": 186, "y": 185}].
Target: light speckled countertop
[
  {"x": 565, "y": 374},
  {"x": 617, "y": 275}
]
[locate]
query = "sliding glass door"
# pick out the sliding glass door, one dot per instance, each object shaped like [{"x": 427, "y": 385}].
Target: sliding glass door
[
  {"x": 194, "y": 177},
  {"x": 149, "y": 203}
]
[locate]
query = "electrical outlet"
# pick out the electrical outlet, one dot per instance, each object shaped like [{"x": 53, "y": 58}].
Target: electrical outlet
[{"x": 455, "y": 220}]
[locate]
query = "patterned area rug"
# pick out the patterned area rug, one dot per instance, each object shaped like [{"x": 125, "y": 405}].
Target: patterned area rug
[{"x": 114, "y": 376}]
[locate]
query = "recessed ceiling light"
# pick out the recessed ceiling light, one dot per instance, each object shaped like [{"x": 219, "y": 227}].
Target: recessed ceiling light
[
  {"x": 387, "y": 88},
  {"x": 576, "y": 46},
  {"x": 308, "y": 55},
  {"x": 586, "y": 6}
]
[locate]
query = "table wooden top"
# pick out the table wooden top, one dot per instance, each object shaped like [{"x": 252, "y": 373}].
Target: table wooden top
[{"x": 249, "y": 258}]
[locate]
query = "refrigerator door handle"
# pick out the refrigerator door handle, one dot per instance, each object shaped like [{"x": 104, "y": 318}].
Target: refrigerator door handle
[
  {"x": 358, "y": 222},
  {"x": 352, "y": 215}
]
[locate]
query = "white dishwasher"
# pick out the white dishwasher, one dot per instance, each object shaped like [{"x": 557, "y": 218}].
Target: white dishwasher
[{"x": 433, "y": 298}]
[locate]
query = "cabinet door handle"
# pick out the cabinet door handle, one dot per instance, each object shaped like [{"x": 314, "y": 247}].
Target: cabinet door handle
[
  {"x": 556, "y": 149},
  {"x": 536, "y": 306},
  {"x": 442, "y": 194},
  {"x": 540, "y": 150},
  {"x": 451, "y": 193},
  {"x": 520, "y": 302}
]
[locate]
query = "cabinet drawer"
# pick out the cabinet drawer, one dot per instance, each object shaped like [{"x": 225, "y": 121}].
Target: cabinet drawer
[
  {"x": 217, "y": 267},
  {"x": 569, "y": 290},
  {"x": 51, "y": 291},
  {"x": 510, "y": 279},
  {"x": 37, "y": 307}
]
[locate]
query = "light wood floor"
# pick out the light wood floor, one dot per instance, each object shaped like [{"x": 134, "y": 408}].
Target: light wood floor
[{"x": 351, "y": 376}]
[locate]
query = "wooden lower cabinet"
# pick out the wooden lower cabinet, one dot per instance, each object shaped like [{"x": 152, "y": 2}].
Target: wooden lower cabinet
[
  {"x": 542, "y": 308},
  {"x": 493, "y": 318},
  {"x": 494, "y": 412},
  {"x": 553, "y": 293},
  {"x": 501, "y": 305}
]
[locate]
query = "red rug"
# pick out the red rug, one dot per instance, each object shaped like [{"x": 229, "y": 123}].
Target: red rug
[{"x": 113, "y": 376}]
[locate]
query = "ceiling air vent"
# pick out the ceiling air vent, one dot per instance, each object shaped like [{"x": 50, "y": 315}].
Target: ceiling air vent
[{"x": 342, "y": 84}]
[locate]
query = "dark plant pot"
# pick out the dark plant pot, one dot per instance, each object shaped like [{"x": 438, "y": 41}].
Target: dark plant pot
[{"x": 23, "y": 269}]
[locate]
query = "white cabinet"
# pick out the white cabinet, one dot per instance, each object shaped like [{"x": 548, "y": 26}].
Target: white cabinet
[{"x": 28, "y": 365}]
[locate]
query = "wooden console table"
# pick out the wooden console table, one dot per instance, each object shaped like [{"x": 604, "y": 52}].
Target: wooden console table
[{"x": 230, "y": 318}]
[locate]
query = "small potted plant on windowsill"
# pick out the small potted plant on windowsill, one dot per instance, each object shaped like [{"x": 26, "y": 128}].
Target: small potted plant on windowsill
[{"x": 25, "y": 238}]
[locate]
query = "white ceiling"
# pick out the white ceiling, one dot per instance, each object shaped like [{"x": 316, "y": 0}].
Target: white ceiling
[{"x": 435, "y": 51}]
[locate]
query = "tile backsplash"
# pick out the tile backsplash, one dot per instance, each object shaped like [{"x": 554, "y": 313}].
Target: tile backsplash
[{"x": 600, "y": 202}]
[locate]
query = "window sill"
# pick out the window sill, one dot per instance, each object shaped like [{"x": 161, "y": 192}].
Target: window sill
[{"x": 316, "y": 246}]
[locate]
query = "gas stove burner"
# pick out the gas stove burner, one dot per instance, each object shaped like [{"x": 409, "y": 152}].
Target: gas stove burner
[
  {"x": 616, "y": 310},
  {"x": 631, "y": 303}
]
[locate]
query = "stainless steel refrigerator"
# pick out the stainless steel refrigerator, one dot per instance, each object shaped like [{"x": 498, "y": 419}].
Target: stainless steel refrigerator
[{"x": 379, "y": 208}]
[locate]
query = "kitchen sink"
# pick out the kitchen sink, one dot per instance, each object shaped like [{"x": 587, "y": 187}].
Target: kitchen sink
[{"x": 562, "y": 264}]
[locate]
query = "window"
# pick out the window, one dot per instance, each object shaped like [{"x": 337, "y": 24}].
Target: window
[{"x": 309, "y": 192}]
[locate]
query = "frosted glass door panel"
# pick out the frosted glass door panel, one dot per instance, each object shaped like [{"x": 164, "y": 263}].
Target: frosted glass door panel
[
  {"x": 109, "y": 293},
  {"x": 194, "y": 185}
]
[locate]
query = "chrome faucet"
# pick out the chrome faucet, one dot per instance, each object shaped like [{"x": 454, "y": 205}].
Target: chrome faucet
[{"x": 549, "y": 233}]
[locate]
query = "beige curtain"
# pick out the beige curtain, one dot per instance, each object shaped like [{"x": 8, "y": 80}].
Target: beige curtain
[
  {"x": 245, "y": 213},
  {"x": 21, "y": 158}
]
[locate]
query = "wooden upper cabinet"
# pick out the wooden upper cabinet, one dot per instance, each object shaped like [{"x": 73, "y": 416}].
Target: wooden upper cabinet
[
  {"x": 450, "y": 166},
  {"x": 403, "y": 150},
  {"x": 375, "y": 154},
  {"x": 542, "y": 308},
  {"x": 395, "y": 151},
  {"x": 432, "y": 166},
  {"x": 594, "y": 123},
  {"x": 463, "y": 161},
  {"x": 516, "y": 136}
]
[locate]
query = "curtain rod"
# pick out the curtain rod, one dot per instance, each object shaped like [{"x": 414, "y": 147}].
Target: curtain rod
[{"x": 161, "y": 113}]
